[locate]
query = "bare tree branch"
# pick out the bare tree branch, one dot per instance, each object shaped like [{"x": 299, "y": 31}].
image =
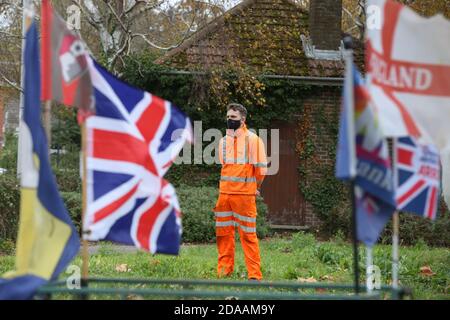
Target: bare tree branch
[
  {"x": 113, "y": 11},
  {"x": 142, "y": 10},
  {"x": 113, "y": 59},
  {"x": 355, "y": 20},
  {"x": 11, "y": 83},
  {"x": 119, "y": 23},
  {"x": 11, "y": 35},
  {"x": 154, "y": 45}
]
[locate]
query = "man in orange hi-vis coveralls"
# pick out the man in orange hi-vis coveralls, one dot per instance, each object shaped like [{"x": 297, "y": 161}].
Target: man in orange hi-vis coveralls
[{"x": 244, "y": 165}]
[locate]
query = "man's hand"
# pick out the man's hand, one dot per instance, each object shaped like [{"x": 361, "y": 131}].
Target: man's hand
[{"x": 258, "y": 193}]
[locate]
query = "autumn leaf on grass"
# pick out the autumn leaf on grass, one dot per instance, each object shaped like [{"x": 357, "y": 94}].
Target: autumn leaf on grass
[
  {"x": 307, "y": 280},
  {"x": 426, "y": 271},
  {"x": 122, "y": 268},
  {"x": 326, "y": 278}
]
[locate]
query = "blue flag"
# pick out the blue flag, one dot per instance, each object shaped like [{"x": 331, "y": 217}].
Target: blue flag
[
  {"x": 363, "y": 156},
  {"x": 346, "y": 155},
  {"x": 372, "y": 214},
  {"x": 47, "y": 240}
]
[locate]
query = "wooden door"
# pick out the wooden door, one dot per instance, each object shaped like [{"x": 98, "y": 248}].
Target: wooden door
[{"x": 281, "y": 191}]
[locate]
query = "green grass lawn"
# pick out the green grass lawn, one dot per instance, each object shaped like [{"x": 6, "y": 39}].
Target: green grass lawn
[{"x": 289, "y": 258}]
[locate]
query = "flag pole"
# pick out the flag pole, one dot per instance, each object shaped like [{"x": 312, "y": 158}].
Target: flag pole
[
  {"x": 348, "y": 55},
  {"x": 26, "y": 21},
  {"x": 355, "y": 240},
  {"x": 395, "y": 223},
  {"x": 369, "y": 269},
  {"x": 85, "y": 244},
  {"x": 395, "y": 249}
]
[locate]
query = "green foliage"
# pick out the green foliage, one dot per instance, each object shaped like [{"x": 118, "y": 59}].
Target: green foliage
[
  {"x": 282, "y": 258},
  {"x": 416, "y": 230},
  {"x": 68, "y": 180},
  {"x": 72, "y": 200},
  {"x": 7, "y": 247},
  {"x": 197, "y": 95},
  {"x": 413, "y": 229},
  {"x": 332, "y": 255},
  {"x": 194, "y": 175},
  {"x": 317, "y": 139},
  {"x": 65, "y": 129},
  {"x": 284, "y": 99},
  {"x": 339, "y": 237},
  {"x": 198, "y": 217},
  {"x": 197, "y": 205},
  {"x": 8, "y": 155},
  {"x": 9, "y": 206},
  {"x": 262, "y": 226},
  {"x": 324, "y": 194},
  {"x": 303, "y": 240}
]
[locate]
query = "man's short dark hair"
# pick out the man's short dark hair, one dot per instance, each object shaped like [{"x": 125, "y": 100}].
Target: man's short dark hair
[{"x": 238, "y": 107}]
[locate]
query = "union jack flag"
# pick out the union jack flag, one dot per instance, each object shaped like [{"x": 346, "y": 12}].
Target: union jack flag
[
  {"x": 417, "y": 177},
  {"x": 132, "y": 141}
]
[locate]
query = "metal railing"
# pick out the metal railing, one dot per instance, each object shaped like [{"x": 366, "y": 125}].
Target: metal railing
[{"x": 111, "y": 288}]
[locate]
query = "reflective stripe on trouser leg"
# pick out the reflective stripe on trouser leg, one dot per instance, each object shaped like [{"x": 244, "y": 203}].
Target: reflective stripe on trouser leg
[
  {"x": 246, "y": 224},
  {"x": 224, "y": 236},
  {"x": 225, "y": 246},
  {"x": 244, "y": 214},
  {"x": 249, "y": 228}
]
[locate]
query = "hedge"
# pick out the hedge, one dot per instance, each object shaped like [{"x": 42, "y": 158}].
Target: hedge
[{"x": 196, "y": 204}]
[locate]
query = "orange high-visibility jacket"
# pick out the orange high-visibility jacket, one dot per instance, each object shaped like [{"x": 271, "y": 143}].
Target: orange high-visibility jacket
[{"x": 244, "y": 163}]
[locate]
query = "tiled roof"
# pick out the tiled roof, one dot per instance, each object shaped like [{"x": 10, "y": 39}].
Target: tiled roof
[{"x": 263, "y": 34}]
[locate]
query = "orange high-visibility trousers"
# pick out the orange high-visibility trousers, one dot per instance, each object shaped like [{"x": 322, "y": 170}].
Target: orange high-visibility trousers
[{"x": 237, "y": 211}]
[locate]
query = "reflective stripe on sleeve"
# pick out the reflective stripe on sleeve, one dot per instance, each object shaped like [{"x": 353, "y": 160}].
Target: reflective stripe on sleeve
[
  {"x": 238, "y": 179},
  {"x": 260, "y": 164}
]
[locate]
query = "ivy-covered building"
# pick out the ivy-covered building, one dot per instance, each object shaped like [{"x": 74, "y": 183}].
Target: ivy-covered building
[{"x": 297, "y": 54}]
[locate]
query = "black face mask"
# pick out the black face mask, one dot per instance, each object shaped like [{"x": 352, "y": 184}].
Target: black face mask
[{"x": 233, "y": 124}]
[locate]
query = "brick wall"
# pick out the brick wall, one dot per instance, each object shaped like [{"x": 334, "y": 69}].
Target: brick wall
[
  {"x": 325, "y": 17},
  {"x": 322, "y": 103}
]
